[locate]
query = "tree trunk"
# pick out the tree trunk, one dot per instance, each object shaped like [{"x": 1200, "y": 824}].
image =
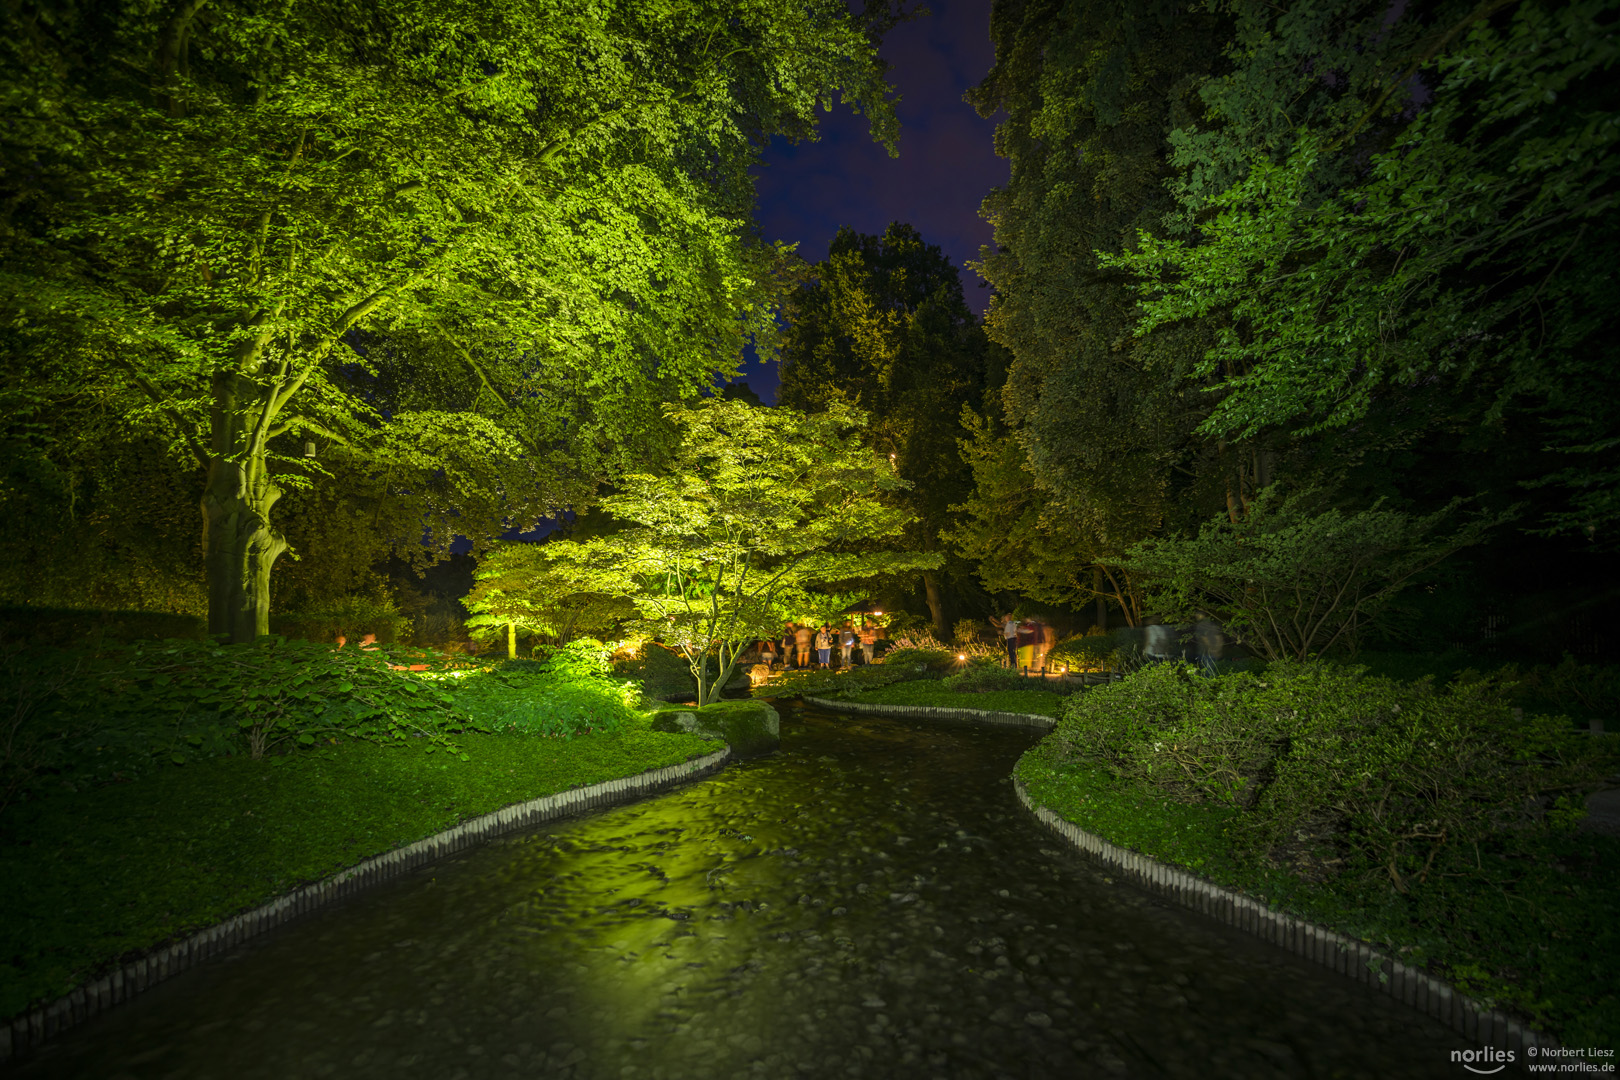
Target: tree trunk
[
  {"x": 511, "y": 641},
  {"x": 1102, "y": 602},
  {"x": 936, "y": 607},
  {"x": 239, "y": 543}
]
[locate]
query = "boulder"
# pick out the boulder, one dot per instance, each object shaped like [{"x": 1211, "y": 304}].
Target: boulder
[{"x": 750, "y": 728}]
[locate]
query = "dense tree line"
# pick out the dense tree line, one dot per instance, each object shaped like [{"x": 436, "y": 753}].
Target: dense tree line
[{"x": 1353, "y": 250}]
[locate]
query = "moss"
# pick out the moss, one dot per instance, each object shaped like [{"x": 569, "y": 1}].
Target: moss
[{"x": 750, "y": 728}]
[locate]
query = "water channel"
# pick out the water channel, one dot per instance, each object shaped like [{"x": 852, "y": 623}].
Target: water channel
[{"x": 871, "y": 902}]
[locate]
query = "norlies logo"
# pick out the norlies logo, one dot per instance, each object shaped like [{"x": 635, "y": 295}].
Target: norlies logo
[{"x": 1487, "y": 1056}]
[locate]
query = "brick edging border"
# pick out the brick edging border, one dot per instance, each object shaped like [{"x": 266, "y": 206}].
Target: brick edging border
[
  {"x": 37, "y": 1025},
  {"x": 1011, "y": 719},
  {"x": 1354, "y": 959}
]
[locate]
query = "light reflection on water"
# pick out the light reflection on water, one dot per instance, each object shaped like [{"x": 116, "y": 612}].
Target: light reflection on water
[{"x": 871, "y": 902}]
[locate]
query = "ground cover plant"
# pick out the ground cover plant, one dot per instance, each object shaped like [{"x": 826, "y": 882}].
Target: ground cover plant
[
  {"x": 90, "y": 877},
  {"x": 1436, "y": 822},
  {"x": 570, "y": 691},
  {"x": 79, "y": 717}
]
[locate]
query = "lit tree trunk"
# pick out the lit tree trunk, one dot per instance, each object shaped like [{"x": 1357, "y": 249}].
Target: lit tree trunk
[
  {"x": 239, "y": 543},
  {"x": 511, "y": 641}
]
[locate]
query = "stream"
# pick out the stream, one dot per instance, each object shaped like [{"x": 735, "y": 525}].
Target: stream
[{"x": 870, "y": 902}]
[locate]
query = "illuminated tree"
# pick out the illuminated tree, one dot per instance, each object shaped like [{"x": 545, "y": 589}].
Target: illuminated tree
[
  {"x": 756, "y": 507},
  {"x": 481, "y": 243},
  {"x": 525, "y": 587}
]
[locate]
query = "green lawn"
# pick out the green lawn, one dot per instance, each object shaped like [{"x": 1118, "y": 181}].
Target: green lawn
[
  {"x": 1538, "y": 931},
  {"x": 89, "y": 877},
  {"x": 931, "y": 693}
]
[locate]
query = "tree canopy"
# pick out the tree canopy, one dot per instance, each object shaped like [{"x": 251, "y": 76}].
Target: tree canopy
[
  {"x": 1434, "y": 202},
  {"x": 756, "y": 507},
  {"x": 485, "y": 242}
]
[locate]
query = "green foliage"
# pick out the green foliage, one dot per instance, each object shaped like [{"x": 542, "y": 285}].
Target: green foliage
[
  {"x": 185, "y": 848},
  {"x": 1359, "y": 236},
  {"x": 969, "y": 632},
  {"x": 572, "y": 692},
  {"x": 984, "y": 673},
  {"x": 1291, "y": 582},
  {"x": 349, "y": 617},
  {"x": 526, "y": 587},
  {"x": 1584, "y": 690},
  {"x": 1103, "y": 422},
  {"x": 881, "y": 324},
  {"x": 936, "y": 659},
  {"x": 1530, "y": 924},
  {"x": 84, "y": 718},
  {"x": 819, "y": 683},
  {"x": 1090, "y": 652},
  {"x": 756, "y": 509},
  {"x": 1336, "y": 771},
  {"x": 451, "y": 240},
  {"x": 662, "y": 673}
]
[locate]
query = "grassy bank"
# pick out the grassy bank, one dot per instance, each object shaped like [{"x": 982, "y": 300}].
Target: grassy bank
[
  {"x": 1436, "y": 824},
  {"x": 935, "y": 694},
  {"x": 90, "y": 877}
]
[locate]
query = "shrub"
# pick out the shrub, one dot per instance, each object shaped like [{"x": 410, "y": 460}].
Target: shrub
[
  {"x": 123, "y": 710},
  {"x": 571, "y": 692},
  {"x": 1584, "y": 690},
  {"x": 969, "y": 632},
  {"x": 1387, "y": 777},
  {"x": 983, "y": 674},
  {"x": 351, "y": 617},
  {"x": 662, "y": 674},
  {"x": 921, "y": 651}
]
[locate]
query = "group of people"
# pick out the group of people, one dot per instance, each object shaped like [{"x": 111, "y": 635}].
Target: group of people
[
  {"x": 1018, "y": 633},
  {"x": 798, "y": 641}
]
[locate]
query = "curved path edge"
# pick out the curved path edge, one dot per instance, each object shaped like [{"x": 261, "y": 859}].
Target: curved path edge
[
  {"x": 1012, "y": 719},
  {"x": 1353, "y": 959},
  {"x": 34, "y": 1027}
]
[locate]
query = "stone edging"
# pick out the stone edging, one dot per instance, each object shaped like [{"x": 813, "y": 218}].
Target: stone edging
[
  {"x": 34, "y": 1027},
  {"x": 1354, "y": 959},
  {"x": 1013, "y": 719}
]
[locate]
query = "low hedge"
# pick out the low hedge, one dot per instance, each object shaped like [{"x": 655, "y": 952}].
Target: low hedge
[
  {"x": 1437, "y": 822},
  {"x": 88, "y": 878}
]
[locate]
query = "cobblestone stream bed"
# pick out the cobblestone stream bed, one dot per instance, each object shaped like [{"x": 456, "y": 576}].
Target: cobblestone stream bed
[{"x": 872, "y": 902}]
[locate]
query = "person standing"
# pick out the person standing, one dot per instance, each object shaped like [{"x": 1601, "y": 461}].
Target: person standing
[
  {"x": 789, "y": 644},
  {"x": 824, "y": 646},
  {"x": 801, "y": 639},
  {"x": 1009, "y": 635},
  {"x": 868, "y": 641},
  {"x": 846, "y": 643}
]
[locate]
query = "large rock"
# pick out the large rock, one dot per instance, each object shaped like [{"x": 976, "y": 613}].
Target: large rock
[{"x": 750, "y": 728}]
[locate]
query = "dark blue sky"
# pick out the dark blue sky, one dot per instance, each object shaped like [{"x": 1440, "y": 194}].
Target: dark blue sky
[{"x": 947, "y": 163}]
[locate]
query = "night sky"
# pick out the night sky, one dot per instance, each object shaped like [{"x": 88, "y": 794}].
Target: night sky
[{"x": 947, "y": 163}]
